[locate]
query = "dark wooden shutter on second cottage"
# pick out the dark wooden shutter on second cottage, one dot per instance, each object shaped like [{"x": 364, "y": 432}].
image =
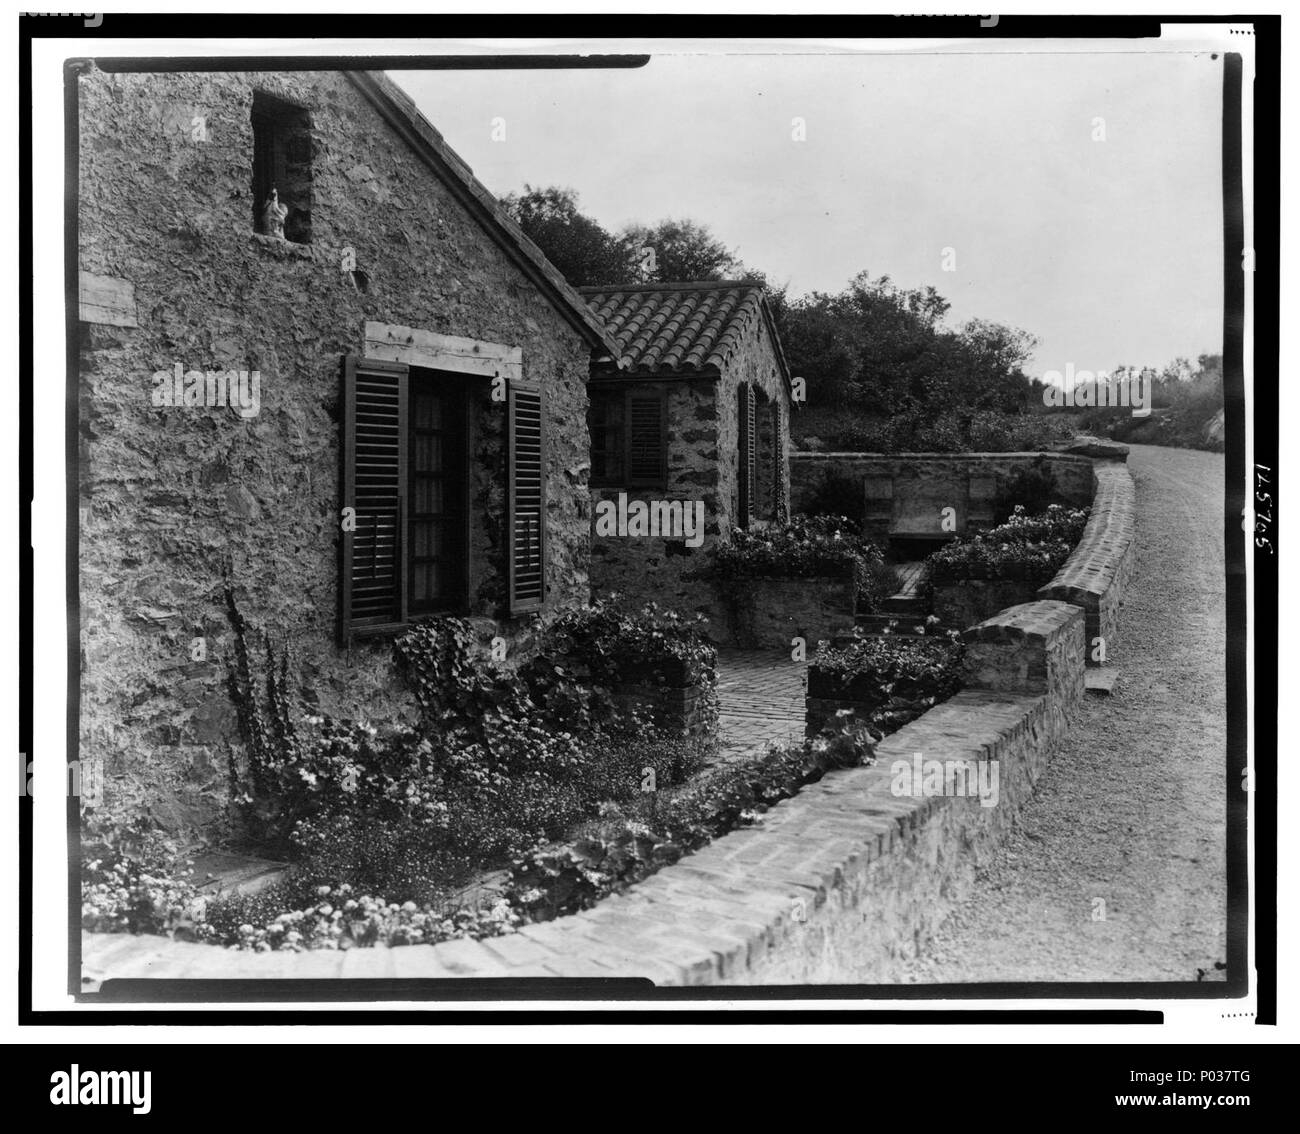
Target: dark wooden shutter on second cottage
[
  {"x": 526, "y": 493},
  {"x": 647, "y": 432},
  {"x": 372, "y": 576}
]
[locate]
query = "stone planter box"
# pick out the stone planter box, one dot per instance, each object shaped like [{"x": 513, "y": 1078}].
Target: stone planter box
[
  {"x": 681, "y": 710},
  {"x": 966, "y": 602},
  {"x": 761, "y": 614}
]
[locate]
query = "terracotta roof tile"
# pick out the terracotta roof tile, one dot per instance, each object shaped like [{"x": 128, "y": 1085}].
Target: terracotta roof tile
[{"x": 677, "y": 328}]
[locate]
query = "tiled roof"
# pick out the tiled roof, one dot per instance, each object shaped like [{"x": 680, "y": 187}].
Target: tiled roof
[
  {"x": 680, "y": 328},
  {"x": 400, "y": 109}
]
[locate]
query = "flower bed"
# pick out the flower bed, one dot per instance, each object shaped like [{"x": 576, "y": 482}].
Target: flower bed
[
  {"x": 396, "y": 819},
  {"x": 807, "y": 577},
  {"x": 654, "y": 662},
  {"x": 1028, "y": 548},
  {"x": 885, "y": 681},
  {"x": 134, "y": 882},
  {"x": 634, "y": 841},
  {"x": 972, "y": 579}
]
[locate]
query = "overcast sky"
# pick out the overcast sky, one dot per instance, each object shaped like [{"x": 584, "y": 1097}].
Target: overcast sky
[{"x": 1110, "y": 252}]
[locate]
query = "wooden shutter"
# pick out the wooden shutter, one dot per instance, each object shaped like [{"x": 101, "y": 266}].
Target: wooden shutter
[
  {"x": 747, "y": 455},
  {"x": 779, "y": 509},
  {"x": 647, "y": 432},
  {"x": 372, "y": 584},
  {"x": 526, "y": 493}
]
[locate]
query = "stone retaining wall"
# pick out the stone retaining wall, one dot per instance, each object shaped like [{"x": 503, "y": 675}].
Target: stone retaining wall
[
  {"x": 761, "y": 614},
  {"x": 964, "y": 602},
  {"x": 905, "y": 493}
]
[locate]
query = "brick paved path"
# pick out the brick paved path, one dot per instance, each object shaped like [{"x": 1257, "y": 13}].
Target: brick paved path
[{"x": 761, "y": 696}]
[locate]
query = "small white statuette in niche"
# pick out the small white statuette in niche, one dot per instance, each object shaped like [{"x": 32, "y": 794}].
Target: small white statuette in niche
[{"x": 273, "y": 216}]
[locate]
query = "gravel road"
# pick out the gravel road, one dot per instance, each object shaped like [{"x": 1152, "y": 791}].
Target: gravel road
[{"x": 1131, "y": 808}]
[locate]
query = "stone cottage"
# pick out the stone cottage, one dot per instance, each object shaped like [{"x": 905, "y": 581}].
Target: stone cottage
[
  {"x": 360, "y": 405},
  {"x": 692, "y": 408}
]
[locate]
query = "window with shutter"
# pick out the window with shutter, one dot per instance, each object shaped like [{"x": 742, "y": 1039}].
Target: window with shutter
[
  {"x": 526, "y": 494},
  {"x": 747, "y": 453},
  {"x": 629, "y": 438},
  {"x": 646, "y": 434},
  {"x": 372, "y": 578},
  {"x": 605, "y": 421},
  {"x": 437, "y": 505}
]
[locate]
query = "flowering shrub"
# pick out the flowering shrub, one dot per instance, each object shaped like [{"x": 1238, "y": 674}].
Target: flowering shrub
[
  {"x": 899, "y": 678},
  {"x": 496, "y": 764},
  {"x": 1033, "y": 487},
  {"x": 1031, "y": 548},
  {"x": 656, "y": 829},
  {"x": 132, "y": 882},
  {"x": 340, "y": 918},
  {"x": 807, "y": 546},
  {"x": 613, "y": 646}
]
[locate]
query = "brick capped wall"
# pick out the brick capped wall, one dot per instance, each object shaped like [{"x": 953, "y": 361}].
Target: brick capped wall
[
  {"x": 964, "y": 602},
  {"x": 1097, "y": 573},
  {"x": 173, "y": 497}
]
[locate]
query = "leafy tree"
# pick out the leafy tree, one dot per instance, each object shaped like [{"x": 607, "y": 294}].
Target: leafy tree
[
  {"x": 874, "y": 353},
  {"x": 583, "y": 251},
  {"x": 684, "y": 251}
]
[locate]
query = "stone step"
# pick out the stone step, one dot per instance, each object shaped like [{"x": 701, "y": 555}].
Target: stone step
[
  {"x": 1100, "y": 682},
  {"x": 847, "y": 638},
  {"x": 879, "y": 621},
  {"x": 898, "y": 604}
]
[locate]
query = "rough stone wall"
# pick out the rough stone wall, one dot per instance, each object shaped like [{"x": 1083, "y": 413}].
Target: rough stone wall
[
  {"x": 964, "y": 602},
  {"x": 765, "y": 614},
  {"x": 755, "y": 364},
  {"x": 1096, "y": 575},
  {"x": 173, "y": 497},
  {"x": 703, "y": 463},
  {"x": 653, "y": 567},
  {"x": 905, "y": 493},
  {"x": 1036, "y": 647}
]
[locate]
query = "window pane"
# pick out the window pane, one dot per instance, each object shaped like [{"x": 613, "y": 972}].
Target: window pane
[
  {"x": 422, "y": 581},
  {"x": 424, "y": 454},
  {"x": 422, "y": 540},
  {"x": 428, "y": 411}
]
